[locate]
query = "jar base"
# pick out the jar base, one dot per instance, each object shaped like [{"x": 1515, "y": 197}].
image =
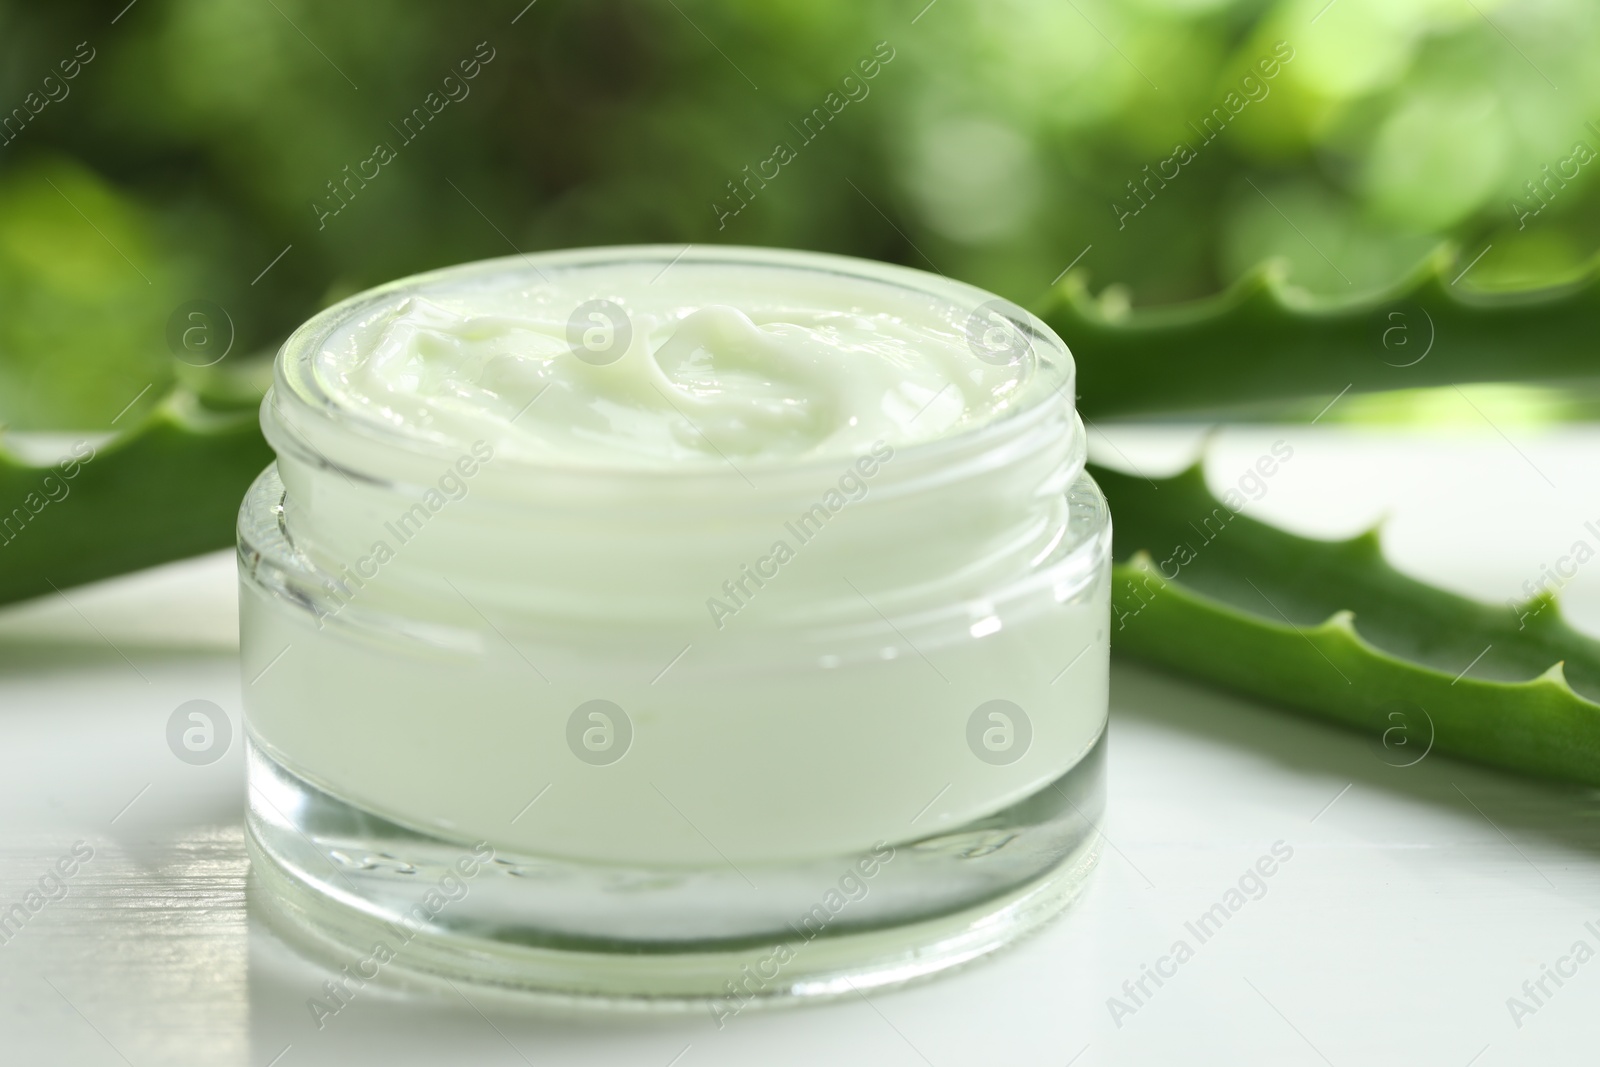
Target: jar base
[{"x": 385, "y": 902}]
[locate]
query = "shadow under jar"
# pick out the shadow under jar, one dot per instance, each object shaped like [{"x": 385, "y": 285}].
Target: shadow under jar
[{"x": 673, "y": 627}]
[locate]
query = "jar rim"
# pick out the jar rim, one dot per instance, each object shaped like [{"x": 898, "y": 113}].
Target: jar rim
[{"x": 295, "y": 377}]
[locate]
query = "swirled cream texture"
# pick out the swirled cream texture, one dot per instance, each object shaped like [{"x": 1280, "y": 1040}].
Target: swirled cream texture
[{"x": 639, "y": 365}]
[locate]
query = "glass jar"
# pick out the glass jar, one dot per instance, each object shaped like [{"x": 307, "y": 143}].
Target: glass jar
[{"x": 716, "y": 733}]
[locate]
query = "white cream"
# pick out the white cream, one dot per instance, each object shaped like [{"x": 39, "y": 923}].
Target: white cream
[
  {"x": 705, "y": 363},
  {"x": 957, "y": 558}
]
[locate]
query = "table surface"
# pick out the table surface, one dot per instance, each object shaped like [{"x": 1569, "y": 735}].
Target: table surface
[{"x": 1415, "y": 903}]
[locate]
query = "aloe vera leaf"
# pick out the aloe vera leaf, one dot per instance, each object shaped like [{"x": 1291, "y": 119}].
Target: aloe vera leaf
[
  {"x": 87, "y": 284},
  {"x": 1329, "y": 627},
  {"x": 166, "y": 489},
  {"x": 1264, "y": 340}
]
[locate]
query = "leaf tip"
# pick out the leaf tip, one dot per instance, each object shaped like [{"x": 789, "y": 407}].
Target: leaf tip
[
  {"x": 1369, "y": 542},
  {"x": 1343, "y": 620},
  {"x": 1540, "y": 611},
  {"x": 1142, "y": 560},
  {"x": 1556, "y": 675}
]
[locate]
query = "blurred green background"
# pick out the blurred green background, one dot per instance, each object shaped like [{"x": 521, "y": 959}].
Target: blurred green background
[{"x": 185, "y": 150}]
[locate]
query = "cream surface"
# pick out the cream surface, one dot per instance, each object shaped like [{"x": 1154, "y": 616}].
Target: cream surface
[{"x": 692, "y": 363}]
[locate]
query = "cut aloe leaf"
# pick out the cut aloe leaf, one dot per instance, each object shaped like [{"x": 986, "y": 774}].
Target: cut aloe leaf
[
  {"x": 1264, "y": 341},
  {"x": 167, "y": 489},
  {"x": 1330, "y": 628}
]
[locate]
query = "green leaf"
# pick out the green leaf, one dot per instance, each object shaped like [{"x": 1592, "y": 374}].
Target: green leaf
[
  {"x": 1330, "y": 628},
  {"x": 88, "y": 290},
  {"x": 167, "y": 489},
  {"x": 1265, "y": 340}
]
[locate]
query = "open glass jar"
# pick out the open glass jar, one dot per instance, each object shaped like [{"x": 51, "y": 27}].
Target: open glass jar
[{"x": 717, "y": 674}]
